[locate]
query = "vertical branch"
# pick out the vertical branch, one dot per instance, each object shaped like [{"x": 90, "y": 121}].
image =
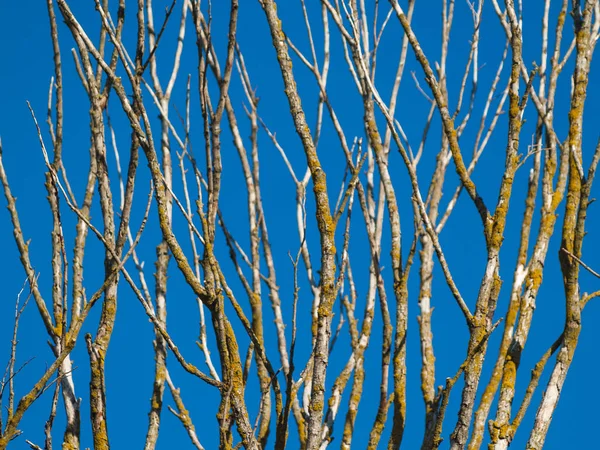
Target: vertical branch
[
  {"x": 573, "y": 225},
  {"x": 325, "y": 225},
  {"x": 256, "y": 222},
  {"x": 491, "y": 281},
  {"x": 11, "y": 372},
  {"x": 376, "y": 142},
  {"x": 426, "y": 254},
  {"x": 98, "y": 347},
  {"x": 162, "y": 250},
  {"x": 530, "y": 274},
  {"x": 71, "y": 436}
]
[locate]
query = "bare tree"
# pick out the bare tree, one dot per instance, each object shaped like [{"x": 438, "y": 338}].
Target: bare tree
[{"x": 358, "y": 127}]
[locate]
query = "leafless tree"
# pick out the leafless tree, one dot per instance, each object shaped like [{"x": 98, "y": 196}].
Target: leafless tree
[{"x": 386, "y": 171}]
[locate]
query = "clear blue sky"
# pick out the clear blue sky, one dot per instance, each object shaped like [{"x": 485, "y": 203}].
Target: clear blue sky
[{"x": 26, "y": 53}]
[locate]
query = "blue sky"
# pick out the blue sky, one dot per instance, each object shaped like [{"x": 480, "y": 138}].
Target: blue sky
[{"x": 25, "y": 50}]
